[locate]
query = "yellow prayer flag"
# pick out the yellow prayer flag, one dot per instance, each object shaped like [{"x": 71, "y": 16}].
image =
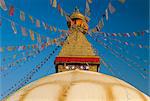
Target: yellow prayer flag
[
  {"x": 31, "y": 18},
  {"x": 14, "y": 56},
  {"x": 54, "y": 4},
  {"x": 54, "y": 28},
  {"x": 32, "y": 35},
  {"x": 122, "y": 1}
]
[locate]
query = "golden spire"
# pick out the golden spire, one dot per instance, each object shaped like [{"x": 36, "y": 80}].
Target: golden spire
[{"x": 77, "y": 52}]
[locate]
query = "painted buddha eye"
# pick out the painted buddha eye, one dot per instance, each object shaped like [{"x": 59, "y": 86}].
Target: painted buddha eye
[
  {"x": 67, "y": 67},
  {"x": 87, "y": 67},
  {"x": 73, "y": 67},
  {"x": 81, "y": 67}
]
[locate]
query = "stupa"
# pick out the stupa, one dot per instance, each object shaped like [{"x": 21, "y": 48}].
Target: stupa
[
  {"x": 77, "y": 78},
  {"x": 77, "y": 52}
]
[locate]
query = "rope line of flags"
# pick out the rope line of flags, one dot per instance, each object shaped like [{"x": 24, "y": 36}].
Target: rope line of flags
[
  {"x": 120, "y": 56},
  {"x": 132, "y": 62},
  {"x": 22, "y": 16},
  {"x": 125, "y": 43},
  {"x": 24, "y": 80}
]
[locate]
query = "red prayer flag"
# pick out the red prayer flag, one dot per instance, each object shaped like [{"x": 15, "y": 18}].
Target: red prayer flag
[
  {"x": 59, "y": 8},
  {"x": 11, "y": 10},
  {"x": 142, "y": 33},
  {"x": 38, "y": 23}
]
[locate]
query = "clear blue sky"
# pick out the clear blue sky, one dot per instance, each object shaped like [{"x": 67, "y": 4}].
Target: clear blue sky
[{"x": 129, "y": 17}]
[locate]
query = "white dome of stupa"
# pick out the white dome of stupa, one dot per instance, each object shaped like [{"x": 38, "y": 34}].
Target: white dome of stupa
[{"x": 78, "y": 85}]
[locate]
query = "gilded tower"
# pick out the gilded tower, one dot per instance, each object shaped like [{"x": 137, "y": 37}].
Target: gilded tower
[{"x": 77, "y": 52}]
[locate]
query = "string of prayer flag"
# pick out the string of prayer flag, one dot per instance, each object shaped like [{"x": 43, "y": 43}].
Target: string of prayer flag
[
  {"x": 117, "y": 54},
  {"x": 128, "y": 34},
  {"x": 33, "y": 19},
  {"x": 127, "y": 43},
  {"x": 23, "y": 81}
]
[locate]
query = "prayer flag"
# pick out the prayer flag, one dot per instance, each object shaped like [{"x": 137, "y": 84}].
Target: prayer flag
[
  {"x": 87, "y": 9},
  {"x": 54, "y": 4},
  {"x": 58, "y": 7},
  {"x": 134, "y": 33},
  {"x": 51, "y": 29},
  {"x": 1, "y": 49},
  {"x": 68, "y": 18},
  {"x": 101, "y": 24},
  {"x": 14, "y": 56},
  {"x": 31, "y": 18},
  {"x": 38, "y": 38},
  {"x": 111, "y": 8},
  {"x": 106, "y": 14},
  {"x": 51, "y": 2},
  {"x": 9, "y": 48},
  {"x": 114, "y": 34},
  {"x": 140, "y": 45},
  {"x": 3, "y": 5},
  {"x": 90, "y": 1},
  {"x": 54, "y": 28},
  {"x": 126, "y": 43},
  {"x": 147, "y": 31},
  {"x": 44, "y": 25},
  {"x": 128, "y": 34},
  {"x": 97, "y": 28},
  {"x": 20, "y": 48},
  {"x": 22, "y": 16},
  {"x": 61, "y": 12},
  {"x": 23, "y": 30},
  {"x": 119, "y": 34},
  {"x": 11, "y": 10},
  {"x": 47, "y": 39},
  {"x": 13, "y": 27},
  {"x": 37, "y": 23},
  {"x": 32, "y": 35},
  {"x": 143, "y": 33},
  {"x": 122, "y": 1}
]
